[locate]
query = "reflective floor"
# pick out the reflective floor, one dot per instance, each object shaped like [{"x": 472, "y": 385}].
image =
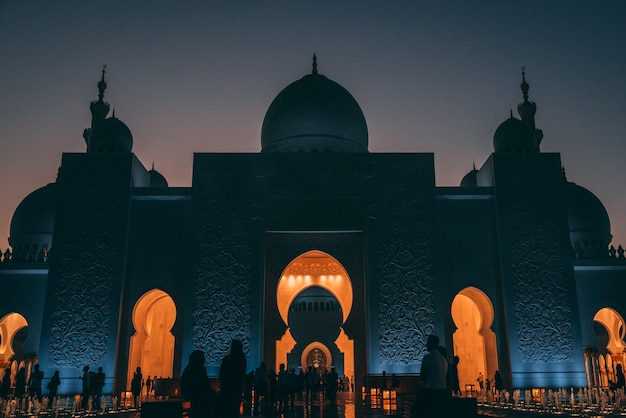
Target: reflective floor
[{"x": 346, "y": 406}]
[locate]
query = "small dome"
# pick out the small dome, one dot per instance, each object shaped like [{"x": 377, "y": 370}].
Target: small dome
[
  {"x": 589, "y": 224},
  {"x": 314, "y": 114},
  {"x": 33, "y": 222},
  {"x": 469, "y": 180},
  {"x": 157, "y": 179},
  {"x": 110, "y": 135},
  {"x": 514, "y": 135}
]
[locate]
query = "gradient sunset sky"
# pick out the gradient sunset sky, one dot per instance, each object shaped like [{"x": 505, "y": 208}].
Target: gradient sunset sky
[{"x": 198, "y": 76}]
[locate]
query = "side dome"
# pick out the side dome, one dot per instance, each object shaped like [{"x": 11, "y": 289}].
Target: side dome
[
  {"x": 157, "y": 179},
  {"x": 32, "y": 224},
  {"x": 110, "y": 135},
  {"x": 314, "y": 114},
  {"x": 469, "y": 180},
  {"x": 514, "y": 135},
  {"x": 589, "y": 224}
]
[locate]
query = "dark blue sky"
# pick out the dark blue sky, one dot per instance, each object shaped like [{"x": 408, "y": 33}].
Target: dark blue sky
[{"x": 198, "y": 76}]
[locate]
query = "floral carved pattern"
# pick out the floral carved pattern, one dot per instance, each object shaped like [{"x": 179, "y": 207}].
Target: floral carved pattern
[
  {"x": 406, "y": 297},
  {"x": 543, "y": 315},
  {"x": 222, "y": 290},
  {"x": 87, "y": 255}
]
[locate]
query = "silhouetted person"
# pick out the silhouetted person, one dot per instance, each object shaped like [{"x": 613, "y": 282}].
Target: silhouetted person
[
  {"x": 454, "y": 376},
  {"x": 135, "y": 386},
  {"x": 395, "y": 381},
  {"x": 20, "y": 383},
  {"x": 86, "y": 377},
  {"x": 261, "y": 388},
  {"x": 232, "y": 379},
  {"x": 619, "y": 376},
  {"x": 34, "y": 384},
  {"x": 498, "y": 381},
  {"x": 96, "y": 387},
  {"x": 53, "y": 385},
  {"x": 433, "y": 374},
  {"x": 148, "y": 386},
  {"x": 5, "y": 387},
  {"x": 384, "y": 384},
  {"x": 331, "y": 388},
  {"x": 196, "y": 388}
]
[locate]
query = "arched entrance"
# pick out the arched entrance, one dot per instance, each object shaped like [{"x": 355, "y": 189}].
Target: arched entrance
[
  {"x": 317, "y": 287},
  {"x": 474, "y": 341},
  {"x": 12, "y": 336},
  {"x": 610, "y": 331},
  {"x": 152, "y": 344}
]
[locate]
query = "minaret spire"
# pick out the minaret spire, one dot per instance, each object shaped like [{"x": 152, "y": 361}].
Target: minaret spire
[
  {"x": 99, "y": 108},
  {"x": 527, "y": 109},
  {"x": 314, "y": 64}
]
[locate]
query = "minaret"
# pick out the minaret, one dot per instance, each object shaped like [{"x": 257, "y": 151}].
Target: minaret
[
  {"x": 527, "y": 110},
  {"x": 99, "y": 108},
  {"x": 314, "y": 71}
]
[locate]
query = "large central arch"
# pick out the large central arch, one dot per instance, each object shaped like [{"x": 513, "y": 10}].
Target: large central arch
[{"x": 315, "y": 269}]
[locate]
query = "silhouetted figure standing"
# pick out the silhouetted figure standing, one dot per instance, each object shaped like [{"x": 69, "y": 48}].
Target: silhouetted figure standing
[
  {"x": 232, "y": 379},
  {"x": 283, "y": 388},
  {"x": 86, "y": 377},
  {"x": 135, "y": 386},
  {"x": 196, "y": 388},
  {"x": 454, "y": 376},
  {"x": 619, "y": 378},
  {"x": 261, "y": 388},
  {"x": 331, "y": 388},
  {"x": 498, "y": 381},
  {"x": 395, "y": 381},
  {"x": 53, "y": 385},
  {"x": 433, "y": 374},
  {"x": 97, "y": 385},
  {"x": 5, "y": 388},
  {"x": 34, "y": 384}
]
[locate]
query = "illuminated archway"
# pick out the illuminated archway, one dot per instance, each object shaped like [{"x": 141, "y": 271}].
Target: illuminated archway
[
  {"x": 315, "y": 269},
  {"x": 152, "y": 344},
  {"x": 10, "y": 325},
  {"x": 614, "y": 325},
  {"x": 317, "y": 355},
  {"x": 474, "y": 341}
]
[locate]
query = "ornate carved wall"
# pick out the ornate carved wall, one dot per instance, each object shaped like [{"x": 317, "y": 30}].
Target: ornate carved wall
[
  {"x": 404, "y": 245},
  {"x": 87, "y": 259},
  {"x": 534, "y": 240}
]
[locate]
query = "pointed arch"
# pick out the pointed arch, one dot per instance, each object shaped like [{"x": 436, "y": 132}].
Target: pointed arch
[
  {"x": 613, "y": 322},
  {"x": 474, "y": 340},
  {"x": 10, "y": 325},
  {"x": 152, "y": 344}
]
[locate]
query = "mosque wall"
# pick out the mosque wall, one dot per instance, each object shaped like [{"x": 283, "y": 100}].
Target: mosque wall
[
  {"x": 539, "y": 291},
  {"x": 23, "y": 292},
  {"x": 400, "y": 260},
  {"x": 467, "y": 253},
  {"x": 599, "y": 285},
  {"x": 80, "y": 322},
  {"x": 161, "y": 256}
]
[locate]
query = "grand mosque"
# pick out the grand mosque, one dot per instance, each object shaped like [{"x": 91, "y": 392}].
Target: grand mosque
[{"x": 314, "y": 252}]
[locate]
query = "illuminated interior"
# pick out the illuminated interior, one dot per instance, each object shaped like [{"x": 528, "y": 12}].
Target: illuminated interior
[
  {"x": 315, "y": 268},
  {"x": 10, "y": 325},
  {"x": 152, "y": 344},
  {"x": 317, "y": 355},
  {"x": 474, "y": 341},
  {"x": 614, "y": 325}
]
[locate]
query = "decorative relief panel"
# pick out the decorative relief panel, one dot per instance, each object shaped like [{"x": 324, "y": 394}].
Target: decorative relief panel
[
  {"x": 406, "y": 298},
  {"x": 543, "y": 315},
  {"x": 222, "y": 288},
  {"x": 88, "y": 249}
]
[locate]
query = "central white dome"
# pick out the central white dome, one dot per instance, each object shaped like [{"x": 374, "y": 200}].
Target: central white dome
[{"x": 314, "y": 114}]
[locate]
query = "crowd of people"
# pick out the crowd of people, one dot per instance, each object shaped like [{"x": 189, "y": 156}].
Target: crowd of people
[{"x": 264, "y": 390}]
